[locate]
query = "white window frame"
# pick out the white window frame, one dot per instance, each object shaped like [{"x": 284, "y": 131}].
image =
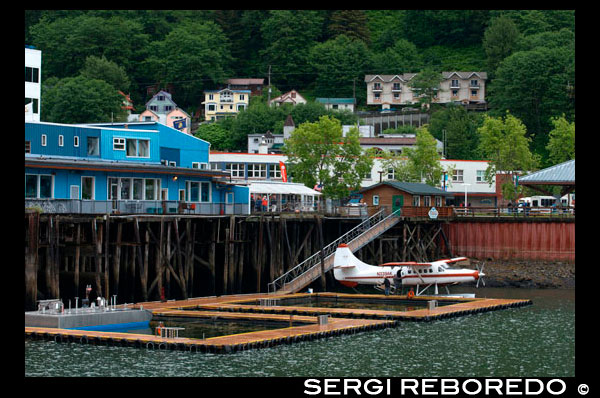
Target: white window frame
[
  {"x": 188, "y": 196},
  {"x": 156, "y": 193},
  {"x": 38, "y": 185},
  {"x": 274, "y": 171},
  {"x": 236, "y": 169},
  {"x": 458, "y": 175},
  {"x": 416, "y": 201},
  {"x": 480, "y": 176},
  {"x": 438, "y": 201},
  {"x": 44, "y": 140},
  {"x": 119, "y": 144},
  {"x": 257, "y": 170},
  {"x": 375, "y": 200},
  {"x": 76, "y": 141},
  {"x": 61, "y": 140},
  {"x": 137, "y": 147},
  {"x": 427, "y": 201}
]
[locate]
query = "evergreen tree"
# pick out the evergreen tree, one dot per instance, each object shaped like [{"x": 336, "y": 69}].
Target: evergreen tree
[{"x": 350, "y": 23}]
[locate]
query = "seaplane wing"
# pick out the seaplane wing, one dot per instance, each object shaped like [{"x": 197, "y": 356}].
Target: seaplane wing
[
  {"x": 406, "y": 264},
  {"x": 452, "y": 260}
]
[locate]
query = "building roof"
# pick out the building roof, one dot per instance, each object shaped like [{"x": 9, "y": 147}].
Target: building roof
[
  {"x": 387, "y": 140},
  {"x": 288, "y": 96},
  {"x": 289, "y": 121},
  {"x": 245, "y": 81},
  {"x": 286, "y": 188},
  {"x": 227, "y": 89},
  {"x": 335, "y": 100},
  {"x": 407, "y": 76},
  {"x": 87, "y": 164},
  {"x": 465, "y": 75},
  {"x": 563, "y": 173},
  {"x": 388, "y": 78},
  {"x": 162, "y": 92},
  {"x": 414, "y": 188}
]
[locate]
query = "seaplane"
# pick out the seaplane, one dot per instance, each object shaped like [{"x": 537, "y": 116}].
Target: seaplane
[{"x": 350, "y": 271}]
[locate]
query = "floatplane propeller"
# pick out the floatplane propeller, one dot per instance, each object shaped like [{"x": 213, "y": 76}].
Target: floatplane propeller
[
  {"x": 481, "y": 275},
  {"x": 350, "y": 271}
]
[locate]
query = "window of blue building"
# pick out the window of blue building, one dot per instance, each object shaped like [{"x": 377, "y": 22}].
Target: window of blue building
[
  {"x": 198, "y": 191},
  {"x": 93, "y": 146},
  {"x": 38, "y": 186},
  {"x": 138, "y": 148}
]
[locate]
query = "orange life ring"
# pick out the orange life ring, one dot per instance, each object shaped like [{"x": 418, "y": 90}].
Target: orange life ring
[{"x": 410, "y": 294}]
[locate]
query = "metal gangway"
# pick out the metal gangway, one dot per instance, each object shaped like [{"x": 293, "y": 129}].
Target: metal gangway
[{"x": 310, "y": 269}]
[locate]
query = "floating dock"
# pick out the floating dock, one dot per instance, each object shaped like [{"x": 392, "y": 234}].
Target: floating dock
[{"x": 311, "y": 322}]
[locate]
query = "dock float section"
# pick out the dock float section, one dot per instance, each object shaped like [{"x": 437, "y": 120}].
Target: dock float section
[{"x": 242, "y": 307}]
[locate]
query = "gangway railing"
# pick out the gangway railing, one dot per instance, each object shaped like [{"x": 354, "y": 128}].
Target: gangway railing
[{"x": 376, "y": 221}]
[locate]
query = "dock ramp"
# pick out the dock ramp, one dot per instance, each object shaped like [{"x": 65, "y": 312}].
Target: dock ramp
[{"x": 309, "y": 270}]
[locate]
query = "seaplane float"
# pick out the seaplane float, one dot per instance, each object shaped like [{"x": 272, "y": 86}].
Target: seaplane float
[{"x": 350, "y": 271}]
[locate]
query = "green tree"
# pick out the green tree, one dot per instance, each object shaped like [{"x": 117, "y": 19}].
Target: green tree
[
  {"x": 81, "y": 100},
  {"x": 103, "y": 69},
  {"x": 419, "y": 164},
  {"x": 193, "y": 57},
  {"x": 499, "y": 41},
  {"x": 289, "y": 35},
  {"x": 533, "y": 86},
  {"x": 561, "y": 144},
  {"x": 457, "y": 128},
  {"x": 350, "y": 23},
  {"x": 337, "y": 63},
  {"x": 219, "y": 137},
  {"x": 66, "y": 42},
  {"x": 504, "y": 142},
  {"x": 425, "y": 159},
  {"x": 425, "y": 86},
  {"x": 401, "y": 57},
  {"x": 318, "y": 153}
]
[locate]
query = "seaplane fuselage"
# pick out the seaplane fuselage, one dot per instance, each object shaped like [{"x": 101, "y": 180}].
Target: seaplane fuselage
[{"x": 350, "y": 271}]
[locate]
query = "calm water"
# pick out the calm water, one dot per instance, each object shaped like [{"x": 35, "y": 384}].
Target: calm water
[{"x": 532, "y": 341}]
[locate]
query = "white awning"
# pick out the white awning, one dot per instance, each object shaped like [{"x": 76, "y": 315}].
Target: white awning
[{"x": 285, "y": 188}]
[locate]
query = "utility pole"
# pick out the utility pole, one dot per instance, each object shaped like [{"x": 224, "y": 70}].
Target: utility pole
[{"x": 269, "y": 96}]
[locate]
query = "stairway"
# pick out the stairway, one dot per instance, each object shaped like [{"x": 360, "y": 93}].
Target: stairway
[{"x": 309, "y": 270}]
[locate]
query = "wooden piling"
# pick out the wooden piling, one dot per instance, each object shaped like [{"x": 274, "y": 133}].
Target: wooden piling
[{"x": 31, "y": 259}]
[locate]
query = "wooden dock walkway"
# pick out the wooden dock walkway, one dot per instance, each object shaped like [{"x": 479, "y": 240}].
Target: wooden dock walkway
[{"x": 244, "y": 307}]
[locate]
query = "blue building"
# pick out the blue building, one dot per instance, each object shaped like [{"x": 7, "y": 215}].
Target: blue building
[{"x": 126, "y": 168}]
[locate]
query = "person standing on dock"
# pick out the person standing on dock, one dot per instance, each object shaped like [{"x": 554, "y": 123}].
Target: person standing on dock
[
  {"x": 386, "y": 283},
  {"x": 397, "y": 285},
  {"x": 265, "y": 203}
]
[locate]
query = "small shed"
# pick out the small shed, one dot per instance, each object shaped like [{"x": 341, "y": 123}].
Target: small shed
[{"x": 415, "y": 199}]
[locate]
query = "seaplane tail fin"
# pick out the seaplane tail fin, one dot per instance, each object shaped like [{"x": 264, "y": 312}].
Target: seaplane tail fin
[{"x": 344, "y": 260}]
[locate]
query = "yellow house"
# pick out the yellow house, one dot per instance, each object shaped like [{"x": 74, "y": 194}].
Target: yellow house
[{"x": 223, "y": 103}]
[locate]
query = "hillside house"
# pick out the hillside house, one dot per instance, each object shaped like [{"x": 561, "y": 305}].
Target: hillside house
[
  {"x": 254, "y": 85},
  {"x": 291, "y": 97},
  {"x": 467, "y": 88},
  {"x": 223, "y": 103}
]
